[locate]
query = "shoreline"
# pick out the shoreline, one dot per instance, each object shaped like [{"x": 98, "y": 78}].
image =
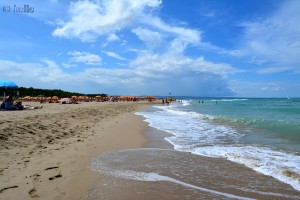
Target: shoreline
[
  {"x": 60, "y": 167},
  {"x": 57, "y": 168},
  {"x": 183, "y": 175}
]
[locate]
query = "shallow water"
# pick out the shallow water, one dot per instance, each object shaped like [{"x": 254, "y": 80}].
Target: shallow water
[
  {"x": 169, "y": 174},
  {"x": 239, "y": 130}
]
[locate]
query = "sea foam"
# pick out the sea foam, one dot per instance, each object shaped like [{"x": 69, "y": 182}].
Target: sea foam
[
  {"x": 196, "y": 133},
  {"x": 99, "y": 163},
  {"x": 282, "y": 166}
]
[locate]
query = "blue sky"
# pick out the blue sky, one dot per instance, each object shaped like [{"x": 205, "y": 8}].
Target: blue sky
[{"x": 240, "y": 48}]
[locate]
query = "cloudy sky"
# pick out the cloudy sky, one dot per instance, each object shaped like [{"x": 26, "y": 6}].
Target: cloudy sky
[{"x": 242, "y": 48}]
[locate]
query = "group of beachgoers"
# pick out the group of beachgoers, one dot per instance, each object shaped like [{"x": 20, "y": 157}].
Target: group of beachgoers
[
  {"x": 165, "y": 102},
  {"x": 9, "y": 104},
  {"x": 56, "y": 99}
]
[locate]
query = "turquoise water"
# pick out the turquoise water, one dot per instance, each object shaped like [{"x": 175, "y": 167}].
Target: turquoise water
[
  {"x": 262, "y": 134},
  {"x": 273, "y": 122}
]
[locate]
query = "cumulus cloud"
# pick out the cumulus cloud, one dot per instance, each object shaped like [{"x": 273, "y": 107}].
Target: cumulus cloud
[
  {"x": 180, "y": 37},
  {"x": 160, "y": 67},
  {"x": 33, "y": 74},
  {"x": 134, "y": 81},
  {"x": 186, "y": 34},
  {"x": 183, "y": 75},
  {"x": 170, "y": 63},
  {"x": 91, "y": 19},
  {"x": 85, "y": 57},
  {"x": 137, "y": 81}
]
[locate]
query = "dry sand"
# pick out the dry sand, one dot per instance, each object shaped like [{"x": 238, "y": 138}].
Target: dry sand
[{"x": 45, "y": 152}]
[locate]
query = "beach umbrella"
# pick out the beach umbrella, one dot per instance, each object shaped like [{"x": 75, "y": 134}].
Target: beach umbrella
[{"x": 7, "y": 84}]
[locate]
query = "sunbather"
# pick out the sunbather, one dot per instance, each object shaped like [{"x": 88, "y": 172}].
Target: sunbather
[{"x": 9, "y": 103}]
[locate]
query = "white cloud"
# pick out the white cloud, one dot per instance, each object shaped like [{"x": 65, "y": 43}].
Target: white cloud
[
  {"x": 91, "y": 19},
  {"x": 184, "y": 36},
  {"x": 171, "y": 38},
  {"x": 134, "y": 81},
  {"x": 137, "y": 81},
  {"x": 112, "y": 37},
  {"x": 47, "y": 73},
  {"x": 160, "y": 64},
  {"x": 170, "y": 63},
  {"x": 113, "y": 55},
  {"x": 223, "y": 69},
  {"x": 151, "y": 38},
  {"x": 85, "y": 57},
  {"x": 172, "y": 71},
  {"x": 275, "y": 40}
]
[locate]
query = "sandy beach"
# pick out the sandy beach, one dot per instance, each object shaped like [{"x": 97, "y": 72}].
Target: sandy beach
[
  {"x": 77, "y": 151},
  {"x": 45, "y": 153}
]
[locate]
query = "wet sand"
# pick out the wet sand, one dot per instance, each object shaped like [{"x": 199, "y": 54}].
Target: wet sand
[
  {"x": 156, "y": 171},
  {"x": 167, "y": 174}
]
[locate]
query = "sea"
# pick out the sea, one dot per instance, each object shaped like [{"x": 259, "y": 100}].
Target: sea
[{"x": 218, "y": 148}]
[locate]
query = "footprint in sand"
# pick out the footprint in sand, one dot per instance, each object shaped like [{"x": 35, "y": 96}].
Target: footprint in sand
[
  {"x": 51, "y": 168},
  {"x": 6, "y": 188},
  {"x": 33, "y": 194},
  {"x": 55, "y": 177}
]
